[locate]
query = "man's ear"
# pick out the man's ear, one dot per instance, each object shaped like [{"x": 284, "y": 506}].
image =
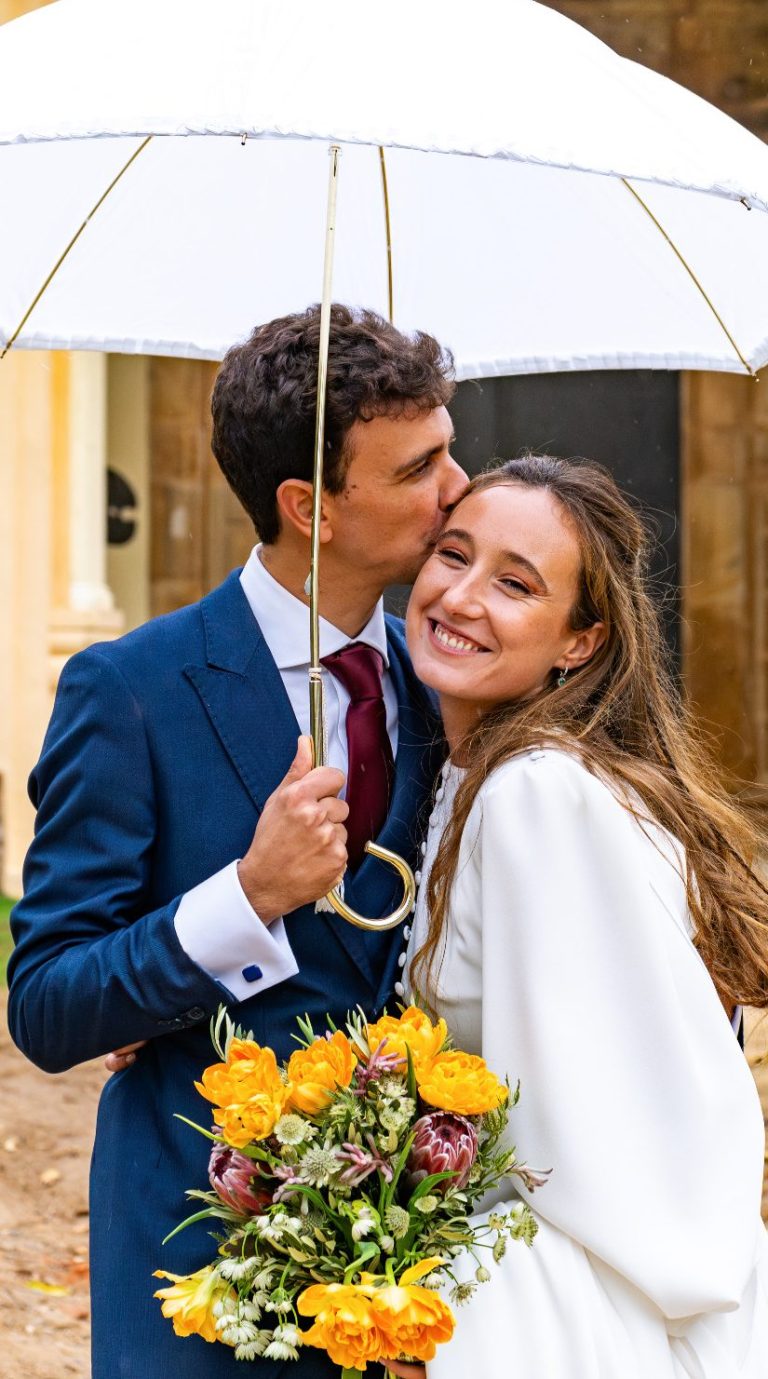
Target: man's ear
[
  {"x": 294, "y": 505},
  {"x": 585, "y": 644}
]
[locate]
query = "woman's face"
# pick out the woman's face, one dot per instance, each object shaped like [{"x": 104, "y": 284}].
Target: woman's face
[{"x": 489, "y": 615}]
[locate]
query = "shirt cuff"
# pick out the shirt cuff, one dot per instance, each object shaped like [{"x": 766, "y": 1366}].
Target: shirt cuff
[{"x": 220, "y": 931}]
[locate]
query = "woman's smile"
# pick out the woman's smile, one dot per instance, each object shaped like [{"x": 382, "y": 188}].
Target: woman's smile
[{"x": 451, "y": 641}]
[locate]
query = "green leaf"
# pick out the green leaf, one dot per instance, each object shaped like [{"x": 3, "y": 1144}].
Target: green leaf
[
  {"x": 411, "y": 1079},
  {"x": 400, "y": 1163},
  {"x": 368, "y": 1251},
  {"x": 190, "y": 1221},
  {"x": 425, "y": 1186},
  {"x": 216, "y": 1138}
]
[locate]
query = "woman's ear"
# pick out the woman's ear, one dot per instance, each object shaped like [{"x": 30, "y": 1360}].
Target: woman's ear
[
  {"x": 585, "y": 644},
  {"x": 294, "y": 505}
]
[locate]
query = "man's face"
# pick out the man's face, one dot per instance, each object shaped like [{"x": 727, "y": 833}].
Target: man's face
[{"x": 400, "y": 486}]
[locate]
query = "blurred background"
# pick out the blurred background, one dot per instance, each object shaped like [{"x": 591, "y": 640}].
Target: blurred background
[{"x": 112, "y": 510}]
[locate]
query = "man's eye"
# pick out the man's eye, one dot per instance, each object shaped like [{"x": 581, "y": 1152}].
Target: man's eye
[{"x": 419, "y": 470}]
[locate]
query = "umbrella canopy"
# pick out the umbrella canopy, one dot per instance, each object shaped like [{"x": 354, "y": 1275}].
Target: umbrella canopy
[{"x": 550, "y": 205}]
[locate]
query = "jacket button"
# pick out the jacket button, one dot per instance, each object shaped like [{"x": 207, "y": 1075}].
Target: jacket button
[{"x": 194, "y": 1013}]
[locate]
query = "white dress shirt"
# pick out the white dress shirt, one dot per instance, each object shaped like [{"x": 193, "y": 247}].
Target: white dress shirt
[{"x": 215, "y": 922}]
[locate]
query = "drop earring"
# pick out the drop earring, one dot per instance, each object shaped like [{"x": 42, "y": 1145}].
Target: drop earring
[{"x": 562, "y": 677}]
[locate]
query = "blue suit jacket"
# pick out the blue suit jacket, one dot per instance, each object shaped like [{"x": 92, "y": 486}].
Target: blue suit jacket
[{"x": 162, "y": 749}]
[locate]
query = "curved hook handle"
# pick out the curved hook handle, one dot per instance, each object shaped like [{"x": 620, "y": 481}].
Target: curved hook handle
[{"x": 386, "y": 921}]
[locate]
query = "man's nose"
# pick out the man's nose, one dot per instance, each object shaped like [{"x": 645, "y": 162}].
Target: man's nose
[{"x": 454, "y": 483}]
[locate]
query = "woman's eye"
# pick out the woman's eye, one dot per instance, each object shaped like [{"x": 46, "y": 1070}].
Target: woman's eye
[
  {"x": 448, "y": 554},
  {"x": 516, "y": 585}
]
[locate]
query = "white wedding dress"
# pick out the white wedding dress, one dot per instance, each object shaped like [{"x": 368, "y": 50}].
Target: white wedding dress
[{"x": 568, "y": 963}]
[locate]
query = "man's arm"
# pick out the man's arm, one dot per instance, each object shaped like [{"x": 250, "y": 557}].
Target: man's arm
[{"x": 92, "y": 969}]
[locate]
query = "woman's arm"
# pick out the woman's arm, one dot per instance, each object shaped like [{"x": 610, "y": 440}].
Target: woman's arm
[{"x": 634, "y": 1090}]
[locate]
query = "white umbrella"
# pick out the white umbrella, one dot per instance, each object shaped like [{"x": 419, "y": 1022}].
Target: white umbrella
[
  {"x": 509, "y": 184},
  {"x": 542, "y": 251}
]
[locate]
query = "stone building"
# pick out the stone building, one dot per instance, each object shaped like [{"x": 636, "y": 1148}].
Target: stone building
[{"x": 68, "y": 419}]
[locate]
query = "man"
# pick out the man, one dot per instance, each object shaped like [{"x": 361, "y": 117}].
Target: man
[{"x": 182, "y": 839}]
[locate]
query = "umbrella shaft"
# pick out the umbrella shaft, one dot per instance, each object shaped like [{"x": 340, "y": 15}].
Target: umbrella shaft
[{"x": 317, "y": 723}]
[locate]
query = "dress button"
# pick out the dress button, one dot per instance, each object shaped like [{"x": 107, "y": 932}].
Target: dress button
[
  {"x": 399, "y": 989},
  {"x": 407, "y": 931},
  {"x": 417, "y": 878},
  {"x": 440, "y": 793},
  {"x": 401, "y": 960},
  {"x": 423, "y": 849},
  {"x": 434, "y": 819}
]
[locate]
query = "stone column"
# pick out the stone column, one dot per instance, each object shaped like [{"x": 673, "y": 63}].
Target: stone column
[
  {"x": 83, "y": 608},
  {"x": 25, "y": 690}
]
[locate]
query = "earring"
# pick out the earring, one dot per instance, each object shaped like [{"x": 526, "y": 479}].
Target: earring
[{"x": 562, "y": 677}]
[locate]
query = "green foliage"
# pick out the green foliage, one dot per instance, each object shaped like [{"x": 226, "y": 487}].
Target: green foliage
[{"x": 6, "y": 942}]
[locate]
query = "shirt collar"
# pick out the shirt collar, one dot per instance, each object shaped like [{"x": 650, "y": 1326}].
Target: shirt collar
[{"x": 284, "y": 619}]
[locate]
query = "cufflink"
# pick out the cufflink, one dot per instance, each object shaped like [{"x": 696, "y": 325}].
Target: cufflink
[{"x": 252, "y": 973}]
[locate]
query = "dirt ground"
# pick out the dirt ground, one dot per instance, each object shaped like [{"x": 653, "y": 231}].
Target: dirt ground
[{"x": 46, "y": 1129}]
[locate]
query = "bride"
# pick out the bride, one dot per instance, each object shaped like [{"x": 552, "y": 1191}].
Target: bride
[{"x": 589, "y": 922}]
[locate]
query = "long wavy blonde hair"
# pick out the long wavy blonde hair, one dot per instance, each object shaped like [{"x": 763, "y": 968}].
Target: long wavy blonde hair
[{"x": 623, "y": 715}]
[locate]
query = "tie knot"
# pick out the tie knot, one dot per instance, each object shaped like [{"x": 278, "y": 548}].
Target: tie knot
[{"x": 359, "y": 668}]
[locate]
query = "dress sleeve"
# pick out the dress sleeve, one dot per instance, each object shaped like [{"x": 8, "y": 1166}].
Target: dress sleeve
[{"x": 634, "y": 1090}]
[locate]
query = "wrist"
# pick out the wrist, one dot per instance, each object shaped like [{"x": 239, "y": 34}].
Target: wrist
[{"x": 261, "y": 903}]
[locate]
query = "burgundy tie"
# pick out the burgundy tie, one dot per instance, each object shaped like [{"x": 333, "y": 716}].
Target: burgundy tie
[{"x": 371, "y": 768}]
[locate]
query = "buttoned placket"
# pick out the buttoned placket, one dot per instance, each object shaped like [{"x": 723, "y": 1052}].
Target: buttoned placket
[{"x": 434, "y": 820}]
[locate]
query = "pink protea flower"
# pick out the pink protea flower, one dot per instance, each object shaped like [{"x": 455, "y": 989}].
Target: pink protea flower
[
  {"x": 231, "y": 1176},
  {"x": 444, "y": 1143}
]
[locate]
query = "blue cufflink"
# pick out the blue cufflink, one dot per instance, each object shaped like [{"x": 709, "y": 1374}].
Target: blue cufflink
[{"x": 252, "y": 973}]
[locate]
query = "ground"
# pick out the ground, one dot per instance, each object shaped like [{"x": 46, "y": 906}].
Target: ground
[{"x": 46, "y": 1129}]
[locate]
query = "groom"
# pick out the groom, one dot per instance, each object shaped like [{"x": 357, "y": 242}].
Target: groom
[{"x": 182, "y": 839}]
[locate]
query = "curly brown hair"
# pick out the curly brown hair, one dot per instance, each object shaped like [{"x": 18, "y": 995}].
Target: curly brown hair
[
  {"x": 621, "y": 713},
  {"x": 265, "y": 393}
]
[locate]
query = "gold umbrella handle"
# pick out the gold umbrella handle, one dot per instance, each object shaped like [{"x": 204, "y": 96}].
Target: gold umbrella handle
[
  {"x": 317, "y": 717},
  {"x": 341, "y": 907}
]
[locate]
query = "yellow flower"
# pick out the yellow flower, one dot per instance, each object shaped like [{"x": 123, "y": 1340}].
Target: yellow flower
[
  {"x": 315, "y": 1073},
  {"x": 189, "y": 1303},
  {"x": 247, "y": 1091},
  {"x": 345, "y": 1325},
  {"x": 414, "y": 1320},
  {"x": 413, "y": 1029},
  {"x": 460, "y": 1082}
]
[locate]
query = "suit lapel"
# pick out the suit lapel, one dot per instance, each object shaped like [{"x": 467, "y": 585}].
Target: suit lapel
[{"x": 243, "y": 694}]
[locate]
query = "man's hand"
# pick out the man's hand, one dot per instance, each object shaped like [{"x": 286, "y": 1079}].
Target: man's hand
[
  {"x": 299, "y": 849},
  {"x": 123, "y": 1058}
]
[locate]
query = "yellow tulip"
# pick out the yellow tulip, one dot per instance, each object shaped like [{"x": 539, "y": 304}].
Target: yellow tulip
[
  {"x": 247, "y": 1092},
  {"x": 414, "y": 1320},
  {"x": 414, "y": 1030},
  {"x": 189, "y": 1303},
  {"x": 460, "y": 1082},
  {"x": 314, "y": 1073},
  {"x": 345, "y": 1325}
]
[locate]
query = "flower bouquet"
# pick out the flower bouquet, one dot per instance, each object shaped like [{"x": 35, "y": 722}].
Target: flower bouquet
[{"x": 344, "y": 1183}]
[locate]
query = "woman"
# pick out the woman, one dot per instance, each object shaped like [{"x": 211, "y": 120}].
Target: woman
[{"x": 589, "y": 922}]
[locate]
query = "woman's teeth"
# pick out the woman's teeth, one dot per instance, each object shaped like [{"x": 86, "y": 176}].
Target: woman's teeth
[{"x": 455, "y": 643}]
